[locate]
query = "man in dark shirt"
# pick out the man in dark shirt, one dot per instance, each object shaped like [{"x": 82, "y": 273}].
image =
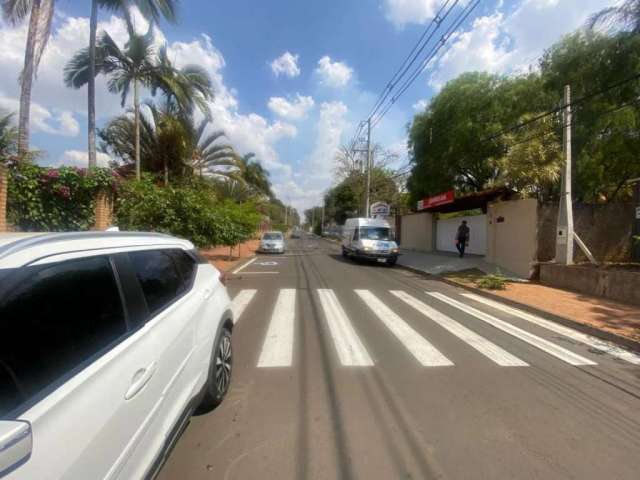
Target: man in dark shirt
[{"x": 462, "y": 237}]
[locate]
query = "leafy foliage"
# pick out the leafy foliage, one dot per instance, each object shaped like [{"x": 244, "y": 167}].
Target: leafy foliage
[
  {"x": 492, "y": 282},
  {"x": 55, "y": 199},
  {"x": 8, "y": 137},
  {"x": 190, "y": 211}
]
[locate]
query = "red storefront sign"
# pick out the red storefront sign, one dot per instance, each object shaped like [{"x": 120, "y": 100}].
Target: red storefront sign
[{"x": 436, "y": 200}]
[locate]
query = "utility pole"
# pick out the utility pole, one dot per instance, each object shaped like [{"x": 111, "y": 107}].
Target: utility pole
[
  {"x": 313, "y": 218},
  {"x": 286, "y": 211},
  {"x": 565, "y": 235},
  {"x": 369, "y": 165},
  {"x": 564, "y": 232}
]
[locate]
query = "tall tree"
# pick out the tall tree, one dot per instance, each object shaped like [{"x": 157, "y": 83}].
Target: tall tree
[
  {"x": 153, "y": 10},
  {"x": 8, "y": 136},
  {"x": 41, "y": 16},
  {"x": 136, "y": 66}
]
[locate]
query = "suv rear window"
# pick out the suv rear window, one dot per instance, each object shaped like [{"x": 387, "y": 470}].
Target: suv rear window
[
  {"x": 164, "y": 275},
  {"x": 53, "y": 318}
]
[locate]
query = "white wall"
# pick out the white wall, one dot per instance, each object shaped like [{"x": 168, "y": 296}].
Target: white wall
[{"x": 446, "y": 234}]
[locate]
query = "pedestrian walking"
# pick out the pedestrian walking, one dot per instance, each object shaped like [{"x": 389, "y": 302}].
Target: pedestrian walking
[{"x": 462, "y": 237}]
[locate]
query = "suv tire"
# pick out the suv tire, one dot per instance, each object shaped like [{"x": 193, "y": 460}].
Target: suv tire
[{"x": 220, "y": 370}]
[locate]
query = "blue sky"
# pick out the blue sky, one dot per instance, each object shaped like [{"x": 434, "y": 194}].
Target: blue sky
[{"x": 293, "y": 78}]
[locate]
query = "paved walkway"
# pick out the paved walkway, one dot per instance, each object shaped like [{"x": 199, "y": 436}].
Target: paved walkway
[{"x": 437, "y": 263}]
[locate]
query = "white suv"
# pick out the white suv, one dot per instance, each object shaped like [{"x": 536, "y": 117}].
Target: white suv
[{"x": 108, "y": 343}]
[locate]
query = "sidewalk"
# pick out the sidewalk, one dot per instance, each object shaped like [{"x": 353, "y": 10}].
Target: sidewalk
[
  {"x": 219, "y": 256},
  {"x": 599, "y": 316},
  {"x": 443, "y": 262}
]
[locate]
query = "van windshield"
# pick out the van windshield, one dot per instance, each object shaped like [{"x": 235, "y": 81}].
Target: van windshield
[{"x": 375, "y": 233}]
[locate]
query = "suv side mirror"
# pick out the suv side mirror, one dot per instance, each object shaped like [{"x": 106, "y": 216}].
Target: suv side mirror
[{"x": 16, "y": 442}]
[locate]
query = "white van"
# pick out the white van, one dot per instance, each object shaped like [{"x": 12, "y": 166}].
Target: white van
[{"x": 369, "y": 238}]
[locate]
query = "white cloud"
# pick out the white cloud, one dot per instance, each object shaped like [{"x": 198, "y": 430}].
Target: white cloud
[
  {"x": 286, "y": 64},
  {"x": 61, "y": 122},
  {"x": 420, "y": 105},
  {"x": 291, "y": 110},
  {"x": 505, "y": 43},
  {"x": 333, "y": 74},
  {"x": 80, "y": 159},
  {"x": 401, "y": 12},
  {"x": 329, "y": 130}
]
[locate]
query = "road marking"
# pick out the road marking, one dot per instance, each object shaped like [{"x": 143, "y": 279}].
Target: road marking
[
  {"x": 593, "y": 342},
  {"x": 538, "y": 342},
  {"x": 244, "y": 265},
  {"x": 419, "y": 347},
  {"x": 481, "y": 344},
  {"x": 277, "y": 350},
  {"x": 350, "y": 349},
  {"x": 260, "y": 273},
  {"x": 267, "y": 264},
  {"x": 240, "y": 302}
]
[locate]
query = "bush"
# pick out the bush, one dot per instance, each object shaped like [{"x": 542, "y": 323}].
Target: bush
[
  {"x": 189, "y": 211},
  {"x": 55, "y": 199},
  {"x": 492, "y": 282}
]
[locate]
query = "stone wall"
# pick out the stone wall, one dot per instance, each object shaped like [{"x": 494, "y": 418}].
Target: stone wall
[
  {"x": 615, "y": 284},
  {"x": 103, "y": 211},
  {"x": 605, "y": 229},
  {"x": 4, "y": 184}
]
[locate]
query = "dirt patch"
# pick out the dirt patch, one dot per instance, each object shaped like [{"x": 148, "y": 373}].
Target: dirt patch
[{"x": 225, "y": 258}]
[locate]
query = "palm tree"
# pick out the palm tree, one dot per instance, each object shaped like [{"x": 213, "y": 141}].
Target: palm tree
[
  {"x": 150, "y": 9},
  {"x": 254, "y": 174},
  {"x": 209, "y": 157},
  {"x": 41, "y": 16},
  {"x": 136, "y": 66},
  {"x": 625, "y": 15}
]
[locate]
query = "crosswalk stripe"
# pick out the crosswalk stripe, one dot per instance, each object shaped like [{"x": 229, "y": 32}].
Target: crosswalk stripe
[
  {"x": 240, "y": 302},
  {"x": 593, "y": 342},
  {"x": 538, "y": 342},
  {"x": 350, "y": 349},
  {"x": 481, "y": 344},
  {"x": 419, "y": 347},
  {"x": 277, "y": 350}
]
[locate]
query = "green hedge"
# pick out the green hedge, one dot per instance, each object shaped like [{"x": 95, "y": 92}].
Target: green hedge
[
  {"x": 55, "y": 199},
  {"x": 190, "y": 211}
]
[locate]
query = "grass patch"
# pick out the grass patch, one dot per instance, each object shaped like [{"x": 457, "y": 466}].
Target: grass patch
[{"x": 492, "y": 282}]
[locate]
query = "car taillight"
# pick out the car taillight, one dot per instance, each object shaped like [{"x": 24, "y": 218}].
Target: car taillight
[{"x": 223, "y": 278}]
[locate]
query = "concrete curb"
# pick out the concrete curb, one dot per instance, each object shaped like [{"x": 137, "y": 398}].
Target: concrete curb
[{"x": 566, "y": 321}]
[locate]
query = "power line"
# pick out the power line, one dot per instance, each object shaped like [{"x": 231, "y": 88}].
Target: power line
[
  {"x": 462, "y": 16},
  {"x": 558, "y": 109}
]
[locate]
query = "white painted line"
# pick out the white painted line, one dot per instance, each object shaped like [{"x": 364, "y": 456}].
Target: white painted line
[
  {"x": 260, "y": 273},
  {"x": 240, "y": 302},
  {"x": 419, "y": 347},
  {"x": 538, "y": 342},
  {"x": 244, "y": 265},
  {"x": 481, "y": 344},
  {"x": 593, "y": 342},
  {"x": 277, "y": 350},
  {"x": 350, "y": 349}
]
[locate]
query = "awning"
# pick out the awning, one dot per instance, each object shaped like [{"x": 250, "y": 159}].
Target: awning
[{"x": 471, "y": 201}]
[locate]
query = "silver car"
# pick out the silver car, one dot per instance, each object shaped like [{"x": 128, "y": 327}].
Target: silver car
[{"x": 272, "y": 242}]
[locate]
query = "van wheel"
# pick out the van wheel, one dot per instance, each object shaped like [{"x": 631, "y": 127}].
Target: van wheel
[
  {"x": 344, "y": 253},
  {"x": 220, "y": 369}
]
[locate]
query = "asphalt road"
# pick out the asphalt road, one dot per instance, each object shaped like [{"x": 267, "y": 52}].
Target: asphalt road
[{"x": 346, "y": 370}]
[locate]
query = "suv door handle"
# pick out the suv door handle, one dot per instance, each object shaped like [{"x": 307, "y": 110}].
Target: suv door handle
[
  {"x": 207, "y": 293},
  {"x": 140, "y": 379}
]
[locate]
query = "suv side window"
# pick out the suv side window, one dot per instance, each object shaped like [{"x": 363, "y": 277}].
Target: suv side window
[
  {"x": 53, "y": 318},
  {"x": 356, "y": 234},
  {"x": 158, "y": 276},
  {"x": 186, "y": 266}
]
